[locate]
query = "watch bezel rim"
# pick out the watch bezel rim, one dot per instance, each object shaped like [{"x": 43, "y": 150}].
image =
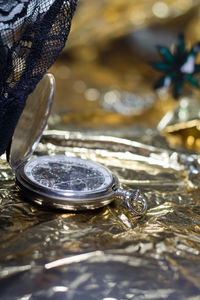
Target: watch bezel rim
[{"x": 66, "y": 200}]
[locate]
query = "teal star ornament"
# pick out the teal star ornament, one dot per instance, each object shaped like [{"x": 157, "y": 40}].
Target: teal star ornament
[{"x": 178, "y": 67}]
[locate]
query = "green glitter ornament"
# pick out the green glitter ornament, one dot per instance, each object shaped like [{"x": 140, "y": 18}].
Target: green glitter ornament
[{"x": 177, "y": 67}]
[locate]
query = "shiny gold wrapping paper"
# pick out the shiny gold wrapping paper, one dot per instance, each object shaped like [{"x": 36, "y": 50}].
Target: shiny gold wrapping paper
[{"x": 106, "y": 253}]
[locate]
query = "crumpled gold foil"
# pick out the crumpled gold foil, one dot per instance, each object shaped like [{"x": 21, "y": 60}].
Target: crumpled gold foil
[
  {"x": 108, "y": 254},
  {"x": 105, "y": 253}
]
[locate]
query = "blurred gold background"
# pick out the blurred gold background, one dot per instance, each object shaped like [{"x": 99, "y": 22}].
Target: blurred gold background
[{"x": 103, "y": 77}]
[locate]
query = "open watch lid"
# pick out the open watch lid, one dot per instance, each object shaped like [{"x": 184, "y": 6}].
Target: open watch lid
[{"x": 32, "y": 122}]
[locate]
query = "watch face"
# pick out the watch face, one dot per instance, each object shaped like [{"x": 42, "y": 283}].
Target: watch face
[
  {"x": 63, "y": 174},
  {"x": 72, "y": 183}
]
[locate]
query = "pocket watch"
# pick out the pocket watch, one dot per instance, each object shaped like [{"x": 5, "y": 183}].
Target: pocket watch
[{"x": 60, "y": 181}]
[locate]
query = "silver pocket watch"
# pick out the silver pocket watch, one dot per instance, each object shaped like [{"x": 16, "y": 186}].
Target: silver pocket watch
[{"x": 60, "y": 181}]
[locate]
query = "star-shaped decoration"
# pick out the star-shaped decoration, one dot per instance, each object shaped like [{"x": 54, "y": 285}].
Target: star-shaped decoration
[{"x": 178, "y": 66}]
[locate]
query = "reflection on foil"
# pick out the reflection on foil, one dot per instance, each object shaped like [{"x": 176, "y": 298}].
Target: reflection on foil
[
  {"x": 71, "y": 260},
  {"x": 126, "y": 103},
  {"x": 106, "y": 253}
]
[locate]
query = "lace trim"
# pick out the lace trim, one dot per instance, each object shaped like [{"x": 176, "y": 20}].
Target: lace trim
[{"x": 32, "y": 34}]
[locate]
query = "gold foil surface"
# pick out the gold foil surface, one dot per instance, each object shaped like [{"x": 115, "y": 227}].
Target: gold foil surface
[
  {"x": 105, "y": 253},
  {"x": 108, "y": 254}
]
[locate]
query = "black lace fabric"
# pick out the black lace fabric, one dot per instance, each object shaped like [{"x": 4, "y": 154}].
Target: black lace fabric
[{"x": 32, "y": 34}]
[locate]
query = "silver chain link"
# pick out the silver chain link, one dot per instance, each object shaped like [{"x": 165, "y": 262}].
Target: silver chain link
[{"x": 135, "y": 201}]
